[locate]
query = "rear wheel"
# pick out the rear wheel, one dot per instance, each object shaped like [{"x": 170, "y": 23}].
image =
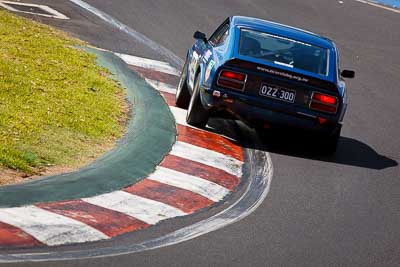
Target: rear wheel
[
  {"x": 197, "y": 115},
  {"x": 182, "y": 97}
]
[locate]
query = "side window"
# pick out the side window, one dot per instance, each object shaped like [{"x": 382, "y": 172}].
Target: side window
[{"x": 220, "y": 34}]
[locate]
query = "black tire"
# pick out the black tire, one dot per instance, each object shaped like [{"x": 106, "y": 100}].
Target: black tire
[
  {"x": 182, "y": 96},
  {"x": 197, "y": 115}
]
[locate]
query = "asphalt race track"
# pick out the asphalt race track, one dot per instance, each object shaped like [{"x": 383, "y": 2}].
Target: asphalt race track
[{"x": 320, "y": 211}]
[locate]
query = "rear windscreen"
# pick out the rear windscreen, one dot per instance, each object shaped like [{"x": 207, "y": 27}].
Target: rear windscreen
[{"x": 283, "y": 51}]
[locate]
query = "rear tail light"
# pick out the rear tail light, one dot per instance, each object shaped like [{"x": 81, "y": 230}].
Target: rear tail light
[
  {"x": 231, "y": 79},
  {"x": 324, "y": 103},
  {"x": 326, "y": 99},
  {"x": 233, "y": 75}
]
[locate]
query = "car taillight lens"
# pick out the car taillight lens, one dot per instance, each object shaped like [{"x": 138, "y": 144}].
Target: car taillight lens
[
  {"x": 326, "y": 99},
  {"x": 231, "y": 79},
  {"x": 233, "y": 75},
  {"x": 325, "y": 103}
]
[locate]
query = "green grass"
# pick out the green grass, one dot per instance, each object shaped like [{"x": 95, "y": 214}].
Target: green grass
[{"x": 57, "y": 107}]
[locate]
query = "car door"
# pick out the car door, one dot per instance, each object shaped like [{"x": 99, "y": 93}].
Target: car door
[
  {"x": 202, "y": 52},
  {"x": 216, "y": 50}
]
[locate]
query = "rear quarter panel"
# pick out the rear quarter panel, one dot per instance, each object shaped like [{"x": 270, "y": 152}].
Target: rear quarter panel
[{"x": 208, "y": 59}]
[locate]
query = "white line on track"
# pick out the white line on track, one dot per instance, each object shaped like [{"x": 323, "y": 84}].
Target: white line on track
[
  {"x": 180, "y": 118},
  {"x": 151, "y": 64},
  {"x": 146, "y": 210},
  {"x": 162, "y": 87},
  {"x": 378, "y": 5},
  {"x": 134, "y": 34},
  {"x": 180, "y": 115},
  {"x": 52, "y": 12},
  {"x": 49, "y": 228},
  {"x": 194, "y": 184},
  {"x": 207, "y": 157}
]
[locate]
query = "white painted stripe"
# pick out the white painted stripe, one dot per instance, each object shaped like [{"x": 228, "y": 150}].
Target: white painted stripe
[
  {"x": 146, "y": 210},
  {"x": 49, "y": 228},
  {"x": 163, "y": 87},
  {"x": 54, "y": 13},
  {"x": 207, "y": 157},
  {"x": 379, "y": 6},
  {"x": 180, "y": 116},
  {"x": 156, "y": 65},
  {"x": 195, "y": 184},
  {"x": 131, "y": 32}
]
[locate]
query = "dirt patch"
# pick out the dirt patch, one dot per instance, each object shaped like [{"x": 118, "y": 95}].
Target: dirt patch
[{"x": 9, "y": 176}]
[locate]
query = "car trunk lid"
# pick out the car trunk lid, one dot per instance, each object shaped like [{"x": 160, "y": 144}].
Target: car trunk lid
[{"x": 263, "y": 80}]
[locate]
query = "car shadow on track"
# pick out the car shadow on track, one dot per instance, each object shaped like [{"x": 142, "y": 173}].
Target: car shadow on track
[{"x": 349, "y": 152}]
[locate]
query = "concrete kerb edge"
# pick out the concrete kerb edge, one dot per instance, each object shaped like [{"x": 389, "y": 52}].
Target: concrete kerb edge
[
  {"x": 151, "y": 134},
  {"x": 259, "y": 181}
]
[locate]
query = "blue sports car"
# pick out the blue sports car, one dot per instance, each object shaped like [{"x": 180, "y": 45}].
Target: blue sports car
[{"x": 266, "y": 74}]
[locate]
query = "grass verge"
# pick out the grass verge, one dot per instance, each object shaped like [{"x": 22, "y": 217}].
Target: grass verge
[{"x": 57, "y": 107}]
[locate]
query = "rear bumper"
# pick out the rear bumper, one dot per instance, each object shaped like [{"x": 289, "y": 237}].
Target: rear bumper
[{"x": 255, "y": 115}]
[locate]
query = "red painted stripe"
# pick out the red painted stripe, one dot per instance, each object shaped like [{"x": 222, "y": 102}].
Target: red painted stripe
[
  {"x": 169, "y": 98},
  {"x": 206, "y": 172},
  {"x": 182, "y": 199},
  {"x": 210, "y": 141},
  {"x": 109, "y": 222},
  {"x": 156, "y": 75},
  {"x": 11, "y": 236}
]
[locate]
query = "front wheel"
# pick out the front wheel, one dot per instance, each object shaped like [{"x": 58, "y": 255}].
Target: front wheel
[
  {"x": 182, "y": 97},
  {"x": 197, "y": 115}
]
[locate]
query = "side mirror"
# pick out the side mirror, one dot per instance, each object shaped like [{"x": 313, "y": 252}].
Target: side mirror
[
  {"x": 348, "y": 74},
  {"x": 200, "y": 36}
]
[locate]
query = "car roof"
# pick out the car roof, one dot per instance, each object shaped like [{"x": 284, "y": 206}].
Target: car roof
[{"x": 282, "y": 30}]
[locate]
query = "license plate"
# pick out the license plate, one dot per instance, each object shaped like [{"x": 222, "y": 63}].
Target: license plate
[{"x": 277, "y": 92}]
